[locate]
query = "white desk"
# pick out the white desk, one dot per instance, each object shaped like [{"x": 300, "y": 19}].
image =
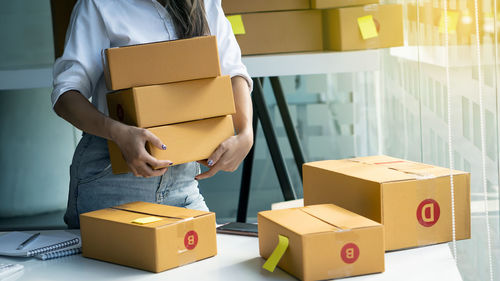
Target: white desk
[{"x": 237, "y": 259}]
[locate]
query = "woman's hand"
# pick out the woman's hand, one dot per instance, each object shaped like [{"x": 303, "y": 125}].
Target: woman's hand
[
  {"x": 228, "y": 155},
  {"x": 132, "y": 143}
]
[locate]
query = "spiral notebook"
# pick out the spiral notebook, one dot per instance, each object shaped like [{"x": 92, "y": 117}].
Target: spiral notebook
[{"x": 47, "y": 242}]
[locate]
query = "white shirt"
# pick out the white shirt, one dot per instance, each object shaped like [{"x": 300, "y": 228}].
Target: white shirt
[{"x": 101, "y": 24}]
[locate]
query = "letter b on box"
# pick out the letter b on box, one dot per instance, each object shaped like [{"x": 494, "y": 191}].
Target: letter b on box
[
  {"x": 349, "y": 253},
  {"x": 191, "y": 239}
]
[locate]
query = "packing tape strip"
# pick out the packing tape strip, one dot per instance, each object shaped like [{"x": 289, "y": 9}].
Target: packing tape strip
[
  {"x": 428, "y": 213},
  {"x": 187, "y": 242},
  {"x": 276, "y": 255},
  {"x": 146, "y": 220}
]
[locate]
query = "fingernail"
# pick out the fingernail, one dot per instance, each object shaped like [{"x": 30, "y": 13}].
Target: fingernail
[
  {"x": 171, "y": 164},
  {"x": 164, "y": 147},
  {"x": 210, "y": 162}
]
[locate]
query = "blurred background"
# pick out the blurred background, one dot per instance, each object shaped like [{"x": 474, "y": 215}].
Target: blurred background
[{"x": 400, "y": 110}]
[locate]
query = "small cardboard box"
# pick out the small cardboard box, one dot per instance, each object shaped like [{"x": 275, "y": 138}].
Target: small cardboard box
[
  {"x": 148, "y": 236},
  {"x": 281, "y": 32},
  {"x": 342, "y": 29},
  {"x": 412, "y": 200},
  {"x": 158, "y": 105},
  {"x": 245, "y": 6},
  {"x": 325, "y": 241},
  {"x": 161, "y": 62},
  {"x": 186, "y": 142},
  {"x": 327, "y": 4}
]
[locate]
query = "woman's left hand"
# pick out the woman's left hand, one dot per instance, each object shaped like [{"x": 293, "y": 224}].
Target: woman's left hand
[{"x": 228, "y": 155}]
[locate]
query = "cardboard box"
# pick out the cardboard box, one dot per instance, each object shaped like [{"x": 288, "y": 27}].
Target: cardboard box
[
  {"x": 161, "y": 62},
  {"x": 281, "y": 32},
  {"x": 186, "y": 142},
  {"x": 148, "y": 236},
  {"x": 157, "y": 105},
  {"x": 245, "y": 6},
  {"x": 342, "y": 30},
  {"x": 325, "y": 241},
  {"x": 412, "y": 200},
  {"x": 327, "y": 4}
]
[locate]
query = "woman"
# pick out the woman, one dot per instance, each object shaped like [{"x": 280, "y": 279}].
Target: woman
[{"x": 78, "y": 76}]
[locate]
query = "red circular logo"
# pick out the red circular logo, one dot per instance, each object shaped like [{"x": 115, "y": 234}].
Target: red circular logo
[
  {"x": 119, "y": 112},
  {"x": 191, "y": 239},
  {"x": 349, "y": 253},
  {"x": 428, "y": 212}
]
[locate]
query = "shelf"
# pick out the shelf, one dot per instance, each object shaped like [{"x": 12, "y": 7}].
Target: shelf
[
  {"x": 459, "y": 56},
  {"x": 312, "y": 63},
  {"x": 258, "y": 66}
]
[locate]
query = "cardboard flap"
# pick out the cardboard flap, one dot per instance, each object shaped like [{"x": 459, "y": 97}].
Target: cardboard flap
[
  {"x": 338, "y": 217},
  {"x": 383, "y": 169},
  {"x": 160, "y": 210},
  {"x": 297, "y": 221}
]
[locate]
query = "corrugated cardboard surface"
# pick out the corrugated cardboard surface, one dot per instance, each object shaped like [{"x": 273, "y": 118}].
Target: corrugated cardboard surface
[
  {"x": 165, "y": 104},
  {"x": 342, "y": 33},
  {"x": 326, "y": 4},
  {"x": 110, "y": 235},
  {"x": 317, "y": 235},
  {"x": 161, "y": 62},
  {"x": 246, "y": 6},
  {"x": 396, "y": 193},
  {"x": 186, "y": 142},
  {"x": 281, "y": 32}
]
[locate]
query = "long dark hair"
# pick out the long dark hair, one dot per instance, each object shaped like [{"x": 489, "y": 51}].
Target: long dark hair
[{"x": 188, "y": 17}]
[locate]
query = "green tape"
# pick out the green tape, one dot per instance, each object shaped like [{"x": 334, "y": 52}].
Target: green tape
[{"x": 278, "y": 252}]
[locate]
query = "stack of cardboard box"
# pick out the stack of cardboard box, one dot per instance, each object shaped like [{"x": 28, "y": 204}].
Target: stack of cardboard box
[
  {"x": 274, "y": 26},
  {"x": 351, "y": 25},
  {"x": 169, "y": 87},
  {"x": 426, "y": 23},
  {"x": 410, "y": 200}
]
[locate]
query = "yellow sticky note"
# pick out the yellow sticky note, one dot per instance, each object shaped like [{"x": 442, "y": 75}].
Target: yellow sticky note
[
  {"x": 452, "y": 22},
  {"x": 367, "y": 27},
  {"x": 276, "y": 255},
  {"x": 237, "y": 24},
  {"x": 146, "y": 220}
]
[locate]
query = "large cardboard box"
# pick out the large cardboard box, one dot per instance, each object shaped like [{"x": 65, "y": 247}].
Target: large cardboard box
[
  {"x": 148, "y": 236},
  {"x": 327, "y": 4},
  {"x": 412, "y": 200},
  {"x": 342, "y": 29},
  {"x": 158, "y": 105},
  {"x": 281, "y": 32},
  {"x": 161, "y": 62},
  {"x": 325, "y": 241},
  {"x": 245, "y": 6},
  {"x": 186, "y": 142}
]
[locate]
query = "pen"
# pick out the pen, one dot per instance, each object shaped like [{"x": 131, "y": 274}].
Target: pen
[{"x": 29, "y": 240}]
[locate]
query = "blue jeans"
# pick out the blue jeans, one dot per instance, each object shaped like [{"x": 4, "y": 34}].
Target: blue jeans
[{"x": 93, "y": 186}]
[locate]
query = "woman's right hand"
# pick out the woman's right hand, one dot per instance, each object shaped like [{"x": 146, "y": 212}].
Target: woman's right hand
[{"x": 132, "y": 142}]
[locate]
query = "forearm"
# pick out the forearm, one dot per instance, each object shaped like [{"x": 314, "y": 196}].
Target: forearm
[
  {"x": 243, "y": 118},
  {"x": 77, "y": 110}
]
